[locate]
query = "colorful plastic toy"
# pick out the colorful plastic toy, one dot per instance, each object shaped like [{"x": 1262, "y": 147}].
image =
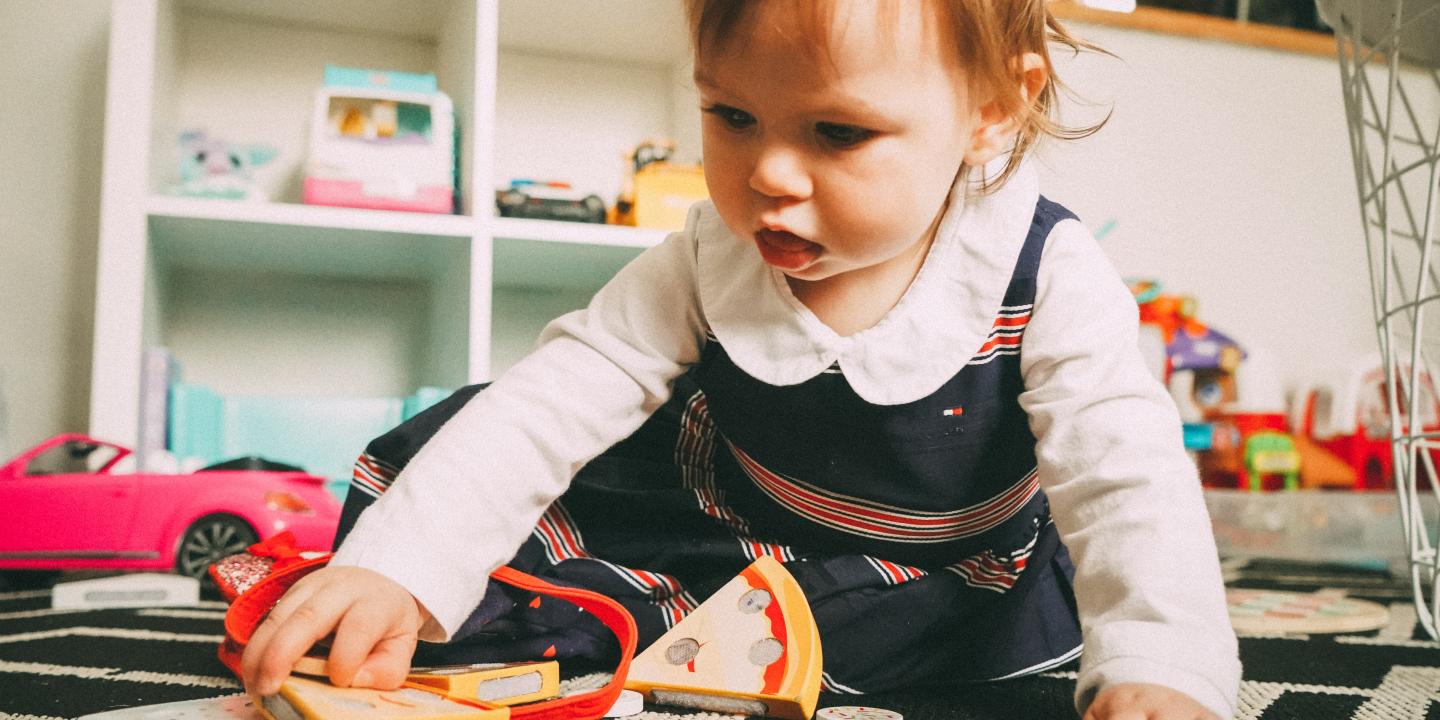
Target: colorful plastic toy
[
  {"x": 66, "y": 508},
  {"x": 382, "y": 140},
  {"x": 657, "y": 192},
  {"x": 549, "y": 201},
  {"x": 1270, "y": 453},
  {"x": 321, "y": 434},
  {"x": 1199, "y": 363},
  {"x": 1349, "y": 418},
  {"x": 214, "y": 168},
  {"x": 1237, "y": 442}
]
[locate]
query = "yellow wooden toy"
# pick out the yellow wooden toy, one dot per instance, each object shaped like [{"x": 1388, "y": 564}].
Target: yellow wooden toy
[
  {"x": 495, "y": 683},
  {"x": 498, "y": 683},
  {"x": 305, "y": 699}
]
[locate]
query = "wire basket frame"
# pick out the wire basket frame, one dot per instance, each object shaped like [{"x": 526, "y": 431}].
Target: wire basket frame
[{"x": 1389, "y": 56}]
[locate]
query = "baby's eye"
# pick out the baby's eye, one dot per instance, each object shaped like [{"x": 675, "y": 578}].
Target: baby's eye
[
  {"x": 732, "y": 117},
  {"x": 843, "y": 135}
]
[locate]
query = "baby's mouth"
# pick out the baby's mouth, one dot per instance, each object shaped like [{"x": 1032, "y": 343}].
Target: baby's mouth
[{"x": 785, "y": 249}]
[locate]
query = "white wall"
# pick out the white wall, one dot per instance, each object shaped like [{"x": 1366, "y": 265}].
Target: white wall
[
  {"x": 52, "y": 76},
  {"x": 1227, "y": 169}
]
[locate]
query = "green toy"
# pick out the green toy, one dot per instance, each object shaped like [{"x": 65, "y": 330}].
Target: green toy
[{"x": 1270, "y": 453}]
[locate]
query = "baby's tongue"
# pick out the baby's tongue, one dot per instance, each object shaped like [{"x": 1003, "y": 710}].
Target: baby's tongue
[{"x": 789, "y": 242}]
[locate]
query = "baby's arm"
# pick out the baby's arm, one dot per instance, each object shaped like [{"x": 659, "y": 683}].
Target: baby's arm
[
  {"x": 1124, "y": 495},
  {"x": 468, "y": 499}
]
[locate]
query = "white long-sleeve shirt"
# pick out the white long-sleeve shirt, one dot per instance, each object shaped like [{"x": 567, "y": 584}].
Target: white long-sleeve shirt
[{"x": 1123, "y": 493}]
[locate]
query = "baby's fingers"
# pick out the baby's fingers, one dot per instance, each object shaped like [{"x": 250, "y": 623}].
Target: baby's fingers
[
  {"x": 373, "y": 647},
  {"x": 388, "y": 664},
  {"x": 290, "y": 630}
]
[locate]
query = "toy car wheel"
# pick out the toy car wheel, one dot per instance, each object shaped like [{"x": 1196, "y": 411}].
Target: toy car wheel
[
  {"x": 596, "y": 206},
  {"x": 210, "y": 539}
]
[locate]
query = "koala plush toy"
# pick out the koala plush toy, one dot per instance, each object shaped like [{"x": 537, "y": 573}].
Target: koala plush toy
[{"x": 213, "y": 168}]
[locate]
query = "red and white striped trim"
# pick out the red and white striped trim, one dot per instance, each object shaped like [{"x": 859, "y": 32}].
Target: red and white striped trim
[
  {"x": 893, "y": 573},
  {"x": 1005, "y": 334},
  {"x": 372, "y": 476},
  {"x": 886, "y": 522},
  {"x": 753, "y": 549},
  {"x": 695, "y": 454},
  {"x": 676, "y": 606},
  {"x": 560, "y": 537},
  {"x": 989, "y": 571}
]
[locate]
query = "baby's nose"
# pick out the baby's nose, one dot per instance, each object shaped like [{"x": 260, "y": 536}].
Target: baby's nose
[{"x": 780, "y": 173}]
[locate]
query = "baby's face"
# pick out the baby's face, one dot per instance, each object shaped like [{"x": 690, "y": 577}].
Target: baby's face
[{"x": 832, "y": 164}]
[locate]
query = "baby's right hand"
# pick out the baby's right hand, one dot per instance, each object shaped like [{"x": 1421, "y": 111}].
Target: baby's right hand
[{"x": 375, "y": 620}]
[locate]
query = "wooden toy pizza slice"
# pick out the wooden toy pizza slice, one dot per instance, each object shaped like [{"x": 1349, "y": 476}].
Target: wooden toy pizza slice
[{"x": 751, "y": 648}]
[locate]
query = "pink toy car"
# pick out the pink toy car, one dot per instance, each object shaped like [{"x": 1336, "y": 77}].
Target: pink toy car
[{"x": 64, "y": 509}]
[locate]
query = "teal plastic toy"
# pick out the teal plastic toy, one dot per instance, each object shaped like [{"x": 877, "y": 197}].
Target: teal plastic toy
[{"x": 321, "y": 435}]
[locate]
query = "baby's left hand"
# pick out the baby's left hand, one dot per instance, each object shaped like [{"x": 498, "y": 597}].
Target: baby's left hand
[{"x": 1143, "y": 701}]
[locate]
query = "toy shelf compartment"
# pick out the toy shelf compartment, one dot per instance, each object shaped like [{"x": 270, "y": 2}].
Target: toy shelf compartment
[
  {"x": 578, "y": 85},
  {"x": 536, "y": 280},
  {"x": 248, "y": 73},
  {"x": 255, "y": 308}
]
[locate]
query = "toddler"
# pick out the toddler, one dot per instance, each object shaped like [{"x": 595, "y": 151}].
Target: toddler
[{"x": 877, "y": 354}]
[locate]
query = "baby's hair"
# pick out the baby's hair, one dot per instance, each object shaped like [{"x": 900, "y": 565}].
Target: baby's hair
[{"x": 985, "y": 38}]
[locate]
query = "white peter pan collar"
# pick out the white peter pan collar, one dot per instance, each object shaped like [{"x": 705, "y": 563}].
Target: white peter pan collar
[{"x": 935, "y": 329}]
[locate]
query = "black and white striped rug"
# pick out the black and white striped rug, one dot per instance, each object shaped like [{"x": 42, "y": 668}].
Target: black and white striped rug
[{"x": 64, "y": 664}]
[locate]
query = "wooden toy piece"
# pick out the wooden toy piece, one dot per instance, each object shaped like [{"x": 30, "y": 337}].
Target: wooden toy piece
[
  {"x": 1267, "y": 612},
  {"x": 312, "y": 665},
  {"x": 494, "y": 683},
  {"x": 498, "y": 683},
  {"x": 305, "y": 699},
  {"x": 751, "y": 648}
]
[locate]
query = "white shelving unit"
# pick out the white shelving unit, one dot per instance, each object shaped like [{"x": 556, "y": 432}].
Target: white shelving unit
[{"x": 280, "y": 298}]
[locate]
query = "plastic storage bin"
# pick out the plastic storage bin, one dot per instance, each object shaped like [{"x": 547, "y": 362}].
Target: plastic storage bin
[
  {"x": 322, "y": 435},
  {"x": 1354, "y": 528}
]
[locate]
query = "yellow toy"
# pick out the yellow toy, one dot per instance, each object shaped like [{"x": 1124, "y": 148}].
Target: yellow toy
[
  {"x": 496, "y": 683},
  {"x": 305, "y": 699},
  {"x": 499, "y": 683},
  {"x": 658, "y": 193},
  {"x": 752, "y": 648}
]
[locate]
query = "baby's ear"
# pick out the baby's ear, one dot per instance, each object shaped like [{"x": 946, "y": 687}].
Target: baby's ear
[{"x": 995, "y": 130}]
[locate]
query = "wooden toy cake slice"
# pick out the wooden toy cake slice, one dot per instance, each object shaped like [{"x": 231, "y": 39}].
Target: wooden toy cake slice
[{"x": 751, "y": 648}]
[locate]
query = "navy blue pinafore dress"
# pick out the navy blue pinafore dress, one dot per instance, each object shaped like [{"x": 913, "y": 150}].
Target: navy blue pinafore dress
[{"x": 918, "y": 531}]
